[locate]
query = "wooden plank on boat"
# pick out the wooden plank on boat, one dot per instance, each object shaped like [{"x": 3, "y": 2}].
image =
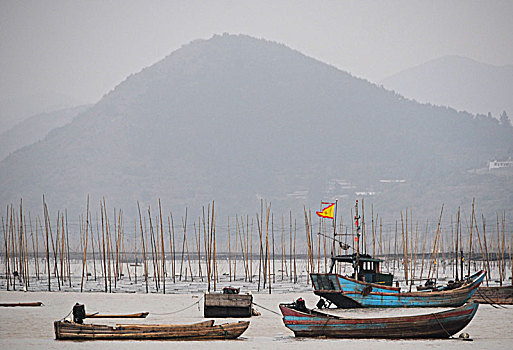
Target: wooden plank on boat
[
  {"x": 22, "y": 304},
  {"x": 203, "y": 324},
  {"x": 136, "y": 315}
]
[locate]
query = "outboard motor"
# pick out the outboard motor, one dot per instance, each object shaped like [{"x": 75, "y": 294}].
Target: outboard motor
[
  {"x": 79, "y": 313},
  {"x": 301, "y": 305}
]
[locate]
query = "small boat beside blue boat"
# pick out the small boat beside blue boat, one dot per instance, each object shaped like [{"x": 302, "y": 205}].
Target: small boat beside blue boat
[{"x": 310, "y": 323}]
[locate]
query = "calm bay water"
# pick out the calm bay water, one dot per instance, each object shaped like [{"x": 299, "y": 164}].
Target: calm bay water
[{"x": 22, "y": 328}]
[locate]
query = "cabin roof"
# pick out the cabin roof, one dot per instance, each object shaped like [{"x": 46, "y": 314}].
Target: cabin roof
[{"x": 352, "y": 257}]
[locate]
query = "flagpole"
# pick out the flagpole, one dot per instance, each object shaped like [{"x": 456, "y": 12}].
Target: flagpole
[
  {"x": 333, "y": 250},
  {"x": 334, "y": 227}
]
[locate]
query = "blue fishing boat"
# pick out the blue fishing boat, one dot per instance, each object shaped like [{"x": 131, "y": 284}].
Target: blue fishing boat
[
  {"x": 347, "y": 292},
  {"x": 368, "y": 287},
  {"x": 310, "y": 323}
]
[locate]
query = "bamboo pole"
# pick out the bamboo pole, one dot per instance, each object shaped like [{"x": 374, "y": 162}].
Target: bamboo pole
[
  {"x": 230, "y": 251},
  {"x": 187, "y": 245},
  {"x": 172, "y": 233},
  {"x": 108, "y": 243},
  {"x": 198, "y": 248},
  {"x": 85, "y": 248},
  {"x": 145, "y": 265},
  {"x": 213, "y": 234},
  {"x": 267, "y": 249},
  {"x": 290, "y": 246},
  {"x": 206, "y": 236},
  {"x": 487, "y": 258},
  {"x": 435, "y": 245},
  {"x": 135, "y": 252},
  {"x": 36, "y": 250},
  {"x": 6, "y": 244},
  {"x": 103, "y": 249},
  {"x": 259, "y": 227},
  {"x": 295, "y": 266},
  {"x": 457, "y": 244},
  {"x": 405, "y": 247},
  {"x": 283, "y": 266},
  {"x": 153, "y": 253},
  {"x": 250, "y": 259},
  {"x": 470, "y": 239},
  {"x": 163, "y": 251},
  {"x": 503, "y": 273},
  {"x": 395, "y": 246}
]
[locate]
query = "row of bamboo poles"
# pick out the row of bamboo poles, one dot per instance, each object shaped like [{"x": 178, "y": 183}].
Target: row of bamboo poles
[{"x": 158, "y": 250}]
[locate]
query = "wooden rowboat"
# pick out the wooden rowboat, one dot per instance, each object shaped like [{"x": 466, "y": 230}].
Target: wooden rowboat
[
  {"x": 27, "y": 304},
  {"x": 136, "y": 315},
  {"x": 309, "y": 323},
  {"x": 66, "y": 330},
  {"x": 494, "y": 295}
]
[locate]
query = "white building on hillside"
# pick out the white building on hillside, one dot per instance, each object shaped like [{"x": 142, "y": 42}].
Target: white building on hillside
[{"x": 500, "y": 164}]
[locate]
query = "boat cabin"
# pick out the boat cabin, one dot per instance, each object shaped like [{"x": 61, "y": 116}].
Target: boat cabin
[{"x": 366, "y": 268}]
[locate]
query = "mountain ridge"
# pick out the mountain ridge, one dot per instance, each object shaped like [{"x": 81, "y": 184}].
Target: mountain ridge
[
  {"x": 234, "y": 119},
  {"x": 459, "y": 82}
]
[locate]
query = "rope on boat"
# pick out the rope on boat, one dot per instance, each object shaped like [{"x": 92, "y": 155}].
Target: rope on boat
[
  {"x": 62, "y": 319},
  {"x": 226, "y": 333},
  {"x": 263, "y": 307},
  {"x": 441, "y": 325},
  {"x": 177, "y": 311}
]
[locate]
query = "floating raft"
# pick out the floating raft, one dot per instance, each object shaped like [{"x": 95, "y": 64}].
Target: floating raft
[
  {"x": 494, "y": 295},
  {"x": 66, "y": 330},
  {"x": 27, "y": 304},
  {"x": 227, "y": 305},
  {"x": 136, "y": 315}
]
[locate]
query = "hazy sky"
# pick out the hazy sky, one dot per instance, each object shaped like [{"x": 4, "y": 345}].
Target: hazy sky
[{"x": 85, "y": 48}]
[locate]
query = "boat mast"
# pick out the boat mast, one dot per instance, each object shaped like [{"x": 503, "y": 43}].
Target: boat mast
[{"x": 356, "y": 262}]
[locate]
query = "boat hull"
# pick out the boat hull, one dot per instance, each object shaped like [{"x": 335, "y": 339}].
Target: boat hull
[
  {"x": 494, "y": 295},
  {"x": 346, "y": 292},
  {"x": 433, "y": 325},
  {"x": 65, "y": 330}
]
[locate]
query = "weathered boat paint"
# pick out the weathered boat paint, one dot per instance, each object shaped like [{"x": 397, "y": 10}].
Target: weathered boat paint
[
  {"x": 351, "y": 293},
  {"x": 434, "y": 325},
  {"x": 65, "y": 330},
  {"x": 494, "y": 295}
]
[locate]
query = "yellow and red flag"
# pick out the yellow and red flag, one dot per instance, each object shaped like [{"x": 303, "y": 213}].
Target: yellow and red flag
[{"x": 328, "y": 211}]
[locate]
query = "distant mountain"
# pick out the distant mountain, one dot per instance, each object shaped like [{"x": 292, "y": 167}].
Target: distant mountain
[
  {"x": 234, "y": 119},
  {"x": 15, "y": 109},
  {"x": 458, "y": 82},
  {"x": 35, "y": 128}
]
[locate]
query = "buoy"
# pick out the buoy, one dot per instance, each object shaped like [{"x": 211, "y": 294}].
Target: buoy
[{"x": 465, "y": 336}]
